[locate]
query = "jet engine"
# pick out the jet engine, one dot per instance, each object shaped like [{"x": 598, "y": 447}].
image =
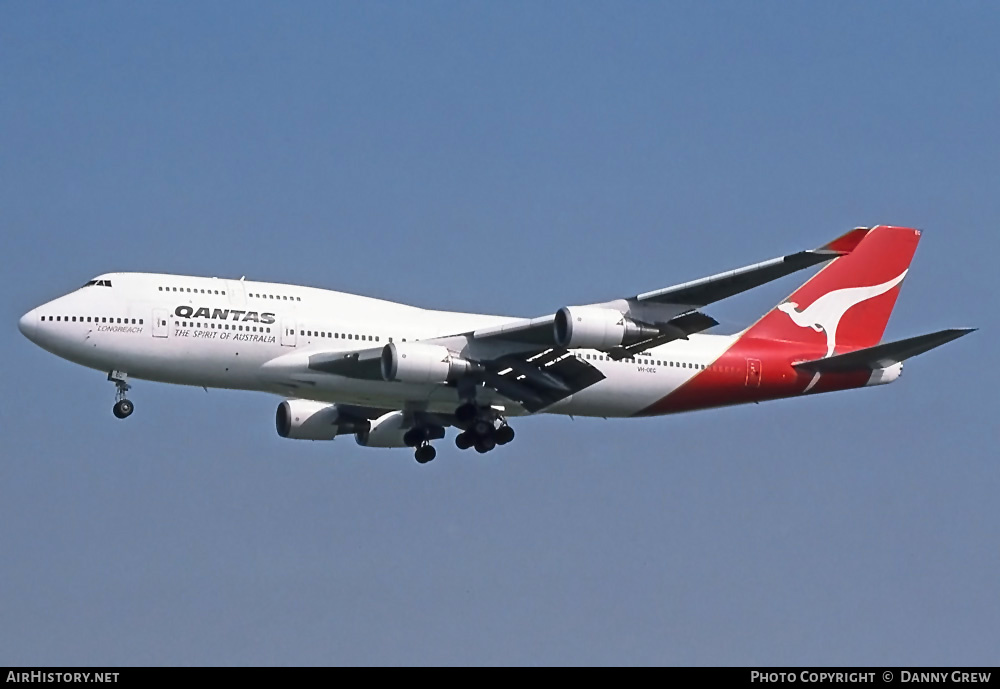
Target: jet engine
[
  {"x": 593, "y": 327},
  {"x": 311, "y": 420},
  {"x": 416, "y": 362}
]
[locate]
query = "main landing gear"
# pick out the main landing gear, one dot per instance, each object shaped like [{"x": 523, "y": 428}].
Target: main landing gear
[
  {"x": 420, "y": 437},
  {"x": 123, "y": 407},
  {"x": 484, "y": 429}
]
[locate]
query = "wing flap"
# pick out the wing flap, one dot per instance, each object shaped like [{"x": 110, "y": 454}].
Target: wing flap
[{"x": 540, "y": 380}]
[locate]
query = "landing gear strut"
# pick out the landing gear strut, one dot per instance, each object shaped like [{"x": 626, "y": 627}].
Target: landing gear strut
[
  {"x": 420, "y": 437},
  {"x": 123, "y": 407}
]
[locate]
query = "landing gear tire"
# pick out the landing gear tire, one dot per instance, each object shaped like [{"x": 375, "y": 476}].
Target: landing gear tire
[
  {"x": 504, "y": 435},
  {"x": 123, "y": 409},
  {"x": 463, "y": 441},
  {"x": 425, "y": 454},
  {"x": 482, "y": 427},
  {"x": 484, "y": 445}
]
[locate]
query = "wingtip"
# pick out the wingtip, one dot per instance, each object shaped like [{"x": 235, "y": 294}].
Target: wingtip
[{"x": 847, "y": 242}]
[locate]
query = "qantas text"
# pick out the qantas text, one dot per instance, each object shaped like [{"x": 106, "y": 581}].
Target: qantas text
[{"x": 224, "y": 314}]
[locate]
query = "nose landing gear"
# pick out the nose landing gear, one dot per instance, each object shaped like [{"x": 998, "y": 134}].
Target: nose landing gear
[{"x": 123, "y": 407}]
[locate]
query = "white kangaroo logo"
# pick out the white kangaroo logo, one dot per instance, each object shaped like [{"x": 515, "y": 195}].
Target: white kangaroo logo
[{"x": 824, "y": 314}]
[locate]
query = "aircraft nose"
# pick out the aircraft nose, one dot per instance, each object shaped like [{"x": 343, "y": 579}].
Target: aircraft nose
[{"x": 27, "y": 324}]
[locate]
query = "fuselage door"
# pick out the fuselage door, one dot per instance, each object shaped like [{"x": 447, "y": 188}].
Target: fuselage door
[
  {"x": 161, "y": 323},
  {"x": 287, "y": 333},
  {"x": 753, "y": 373},
  {"x": 236, "y": 291}
]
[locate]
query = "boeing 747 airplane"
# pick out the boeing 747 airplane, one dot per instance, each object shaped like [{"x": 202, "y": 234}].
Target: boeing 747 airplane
[{"x": 398, "y": 376}]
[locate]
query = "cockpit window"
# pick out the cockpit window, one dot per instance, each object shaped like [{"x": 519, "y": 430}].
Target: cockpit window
[{"x": 98, "y": 283}]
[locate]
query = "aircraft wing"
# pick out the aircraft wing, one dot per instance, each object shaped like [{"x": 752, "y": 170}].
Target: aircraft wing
[
  {"x": 717, "y": 287},
  {"x": 664, "y": 306},
  {"x": 522, "y": 361}
]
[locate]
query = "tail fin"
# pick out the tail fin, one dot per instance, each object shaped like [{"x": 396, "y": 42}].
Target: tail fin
[{"x": 847, "y": 304}]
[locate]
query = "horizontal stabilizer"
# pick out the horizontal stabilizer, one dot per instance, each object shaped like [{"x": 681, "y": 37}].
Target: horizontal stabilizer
[{"x": 883, "y": 355}]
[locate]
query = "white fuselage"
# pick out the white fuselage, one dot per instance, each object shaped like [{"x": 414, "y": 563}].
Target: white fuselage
[{"x": 249, "y": 335}]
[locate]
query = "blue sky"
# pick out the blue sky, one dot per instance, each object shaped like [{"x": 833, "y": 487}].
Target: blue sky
[{"x": 508, "y": 158}]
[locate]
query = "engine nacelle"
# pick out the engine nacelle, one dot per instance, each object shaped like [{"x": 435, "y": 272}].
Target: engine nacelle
[
  {"x": 385, "y": 431},
  {"x": 416, "y": 362},
  {"x": 593, "y": 327},
  {"x": 311, "y": 420}
]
